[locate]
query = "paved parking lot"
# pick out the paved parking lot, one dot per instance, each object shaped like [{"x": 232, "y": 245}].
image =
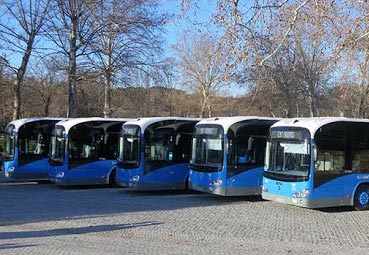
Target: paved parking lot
[{"x": 46, "y": 219}]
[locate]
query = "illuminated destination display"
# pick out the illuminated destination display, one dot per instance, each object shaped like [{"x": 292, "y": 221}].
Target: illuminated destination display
[
  {"x": 206, "y": 130},
  {"x": 286, "y": 134}
]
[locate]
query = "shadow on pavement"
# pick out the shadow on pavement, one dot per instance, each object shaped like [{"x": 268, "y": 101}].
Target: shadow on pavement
[
  {"x": 15, "y": 246},
  {"x": 72, "y": 231},
  {"x": 336, "y": 209}
]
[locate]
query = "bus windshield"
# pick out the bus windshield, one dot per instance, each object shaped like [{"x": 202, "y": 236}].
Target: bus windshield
[
  {"x": 207, "y": 149},
  {"x": 57, "y": 149},
  {"x": 288, "y": 155},
  {"x": 129, "y": 147},
  {"x": 9, "y": 143}
]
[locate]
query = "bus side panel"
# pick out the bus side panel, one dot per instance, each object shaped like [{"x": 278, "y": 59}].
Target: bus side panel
[
  {"x": 90, "y": 174},
  {"x": 246, "y": 183},
  {"x": 207, "y": 182},
  {"x": 128, "y": 177},
  {"x": 334, "y": 192},
  {"x": 36, "y": 170},
  {"x": 54, "y": 174},
  {"x": 339, "y": 191},
  {"x": 8, "y": 165},
  {"x": 169, "y": 177}
]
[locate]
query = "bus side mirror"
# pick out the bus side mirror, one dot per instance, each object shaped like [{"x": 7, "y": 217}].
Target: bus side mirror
[
  {"x": 315, "y": 154},
  {"x": 249, "y": 143},
  {"x": 229, "y": 146},
  {"x": 177, "y": 139}
]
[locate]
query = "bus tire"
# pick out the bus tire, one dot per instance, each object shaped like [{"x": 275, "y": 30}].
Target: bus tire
[
  {"x": 361, "y": 198},
  {"x": 187, "y": 188},
  {"x": 112, "y": 182}
]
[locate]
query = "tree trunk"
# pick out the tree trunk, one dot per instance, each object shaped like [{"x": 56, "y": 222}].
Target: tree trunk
[
  {"x": 313, "y": 109},
  {"x": 107, "y": 96},
  {"x": 287, "y": 103},
  {"x": 209, "y": 109},
  {"x": 72, "y": 77},
  {"x": 20, "y": 75},
  {"x": 107, "y": 90},
  {"x": 47, "y": 105},
  {"x": 203, "y": 104},
  {"x": 16, "y": 99}
]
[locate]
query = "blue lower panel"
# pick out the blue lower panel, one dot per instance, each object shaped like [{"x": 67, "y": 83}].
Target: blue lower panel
[
  {"x": 35, "y": 171},
  {"x": 243, "y": 184},
  {"x": 89, "y": 174},
  {"x": 170, "y": 177},
  {"x": 128, "y": 177},
  {"x": 337, "y": 192},
  {"x": 207, "y": 182}
]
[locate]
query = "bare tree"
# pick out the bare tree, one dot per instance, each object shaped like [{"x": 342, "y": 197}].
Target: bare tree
[
  {"x": 355, "y": 49},
  {"x": 281, "y": 69},
  {"x": 128, "y": 37},
  {"x": 46, "y": 77},
  {"x": 203, "y": 66},
  {"x": 71, "y": 33},
  {"x": 20, "y": 23}
]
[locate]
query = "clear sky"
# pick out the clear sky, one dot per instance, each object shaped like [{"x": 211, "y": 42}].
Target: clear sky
[{"x": 198, "y": 17}]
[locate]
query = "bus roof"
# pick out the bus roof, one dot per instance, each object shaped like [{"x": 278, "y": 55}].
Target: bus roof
[
  {"x": 226, "y": 122},
  {"x": 68, "y": 124},
  {"x": 20, "y": 122},
  {"x": 314, "y": 123},
  {"x": 145, "y": 122}
]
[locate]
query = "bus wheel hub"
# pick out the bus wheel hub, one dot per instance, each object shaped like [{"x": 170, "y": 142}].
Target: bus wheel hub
[{"x": 364, "y": 198}]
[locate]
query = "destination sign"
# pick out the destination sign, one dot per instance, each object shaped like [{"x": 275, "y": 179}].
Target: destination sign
[
  {"x": 207, "y": 130},
  {"x": 286, "y": 134}
]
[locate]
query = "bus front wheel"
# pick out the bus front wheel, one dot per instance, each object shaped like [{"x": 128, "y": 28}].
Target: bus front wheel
[
  {"x": 361, "y": 198},
  {"x": 112, "y": 182},
  {"x": 187, "y": 188}
]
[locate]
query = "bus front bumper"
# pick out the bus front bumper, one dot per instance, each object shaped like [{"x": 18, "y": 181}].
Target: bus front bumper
[{"x": 302, "y": 202}]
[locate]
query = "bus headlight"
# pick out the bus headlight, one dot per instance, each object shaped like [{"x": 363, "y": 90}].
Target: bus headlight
[
  {"x": 264, "y": 188},
  {"x": 135, "y": 178},
  {"x": 302, "y": 194},
  {"x": 217, "y": 182},
  {"x": 11, "y": 169},
  {"x": 60, "y": 175}
]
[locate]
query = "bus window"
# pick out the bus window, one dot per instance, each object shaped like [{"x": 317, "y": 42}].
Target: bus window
[
  {"x": 85, "y": 142},
  {"x": 331, "y": 149},
  {"x": 182, "y": 152},
  {"x": 359, "y": 147},
  {"x": 330, "y": 161},
  {"x": 159, "y": 145},
  {"x": 256, "y": 150},
  {"x": 250, "y": 151}
]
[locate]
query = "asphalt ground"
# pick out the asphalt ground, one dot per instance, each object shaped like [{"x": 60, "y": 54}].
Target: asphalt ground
[{"x": 46, "y": 219}]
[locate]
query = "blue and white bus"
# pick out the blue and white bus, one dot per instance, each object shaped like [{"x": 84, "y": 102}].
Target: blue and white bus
[
  {"x": 318, "y": 162},
  {"x": 228, "y": 155},
  {"x": 83, "y": 151},
  {"x": 154, "y": 153},
  {"x": 26, "y": 143}
]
